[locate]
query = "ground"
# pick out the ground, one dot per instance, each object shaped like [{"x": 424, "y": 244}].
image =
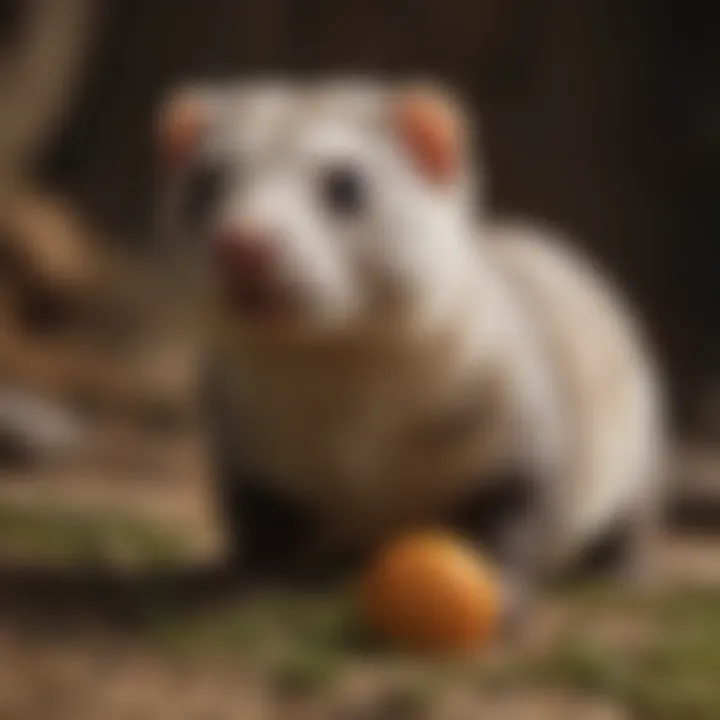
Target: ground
[{"x": 109, "y": 609}]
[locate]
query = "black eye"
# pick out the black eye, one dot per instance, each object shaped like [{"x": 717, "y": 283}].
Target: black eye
[
  {"x": 204, "y": 188},
  {"x": 344, "y": 190}
]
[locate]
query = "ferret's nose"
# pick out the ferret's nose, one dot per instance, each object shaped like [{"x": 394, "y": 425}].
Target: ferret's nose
[
  {"x": 243, "y": 252},
  {"x": 245, "y": 260}
]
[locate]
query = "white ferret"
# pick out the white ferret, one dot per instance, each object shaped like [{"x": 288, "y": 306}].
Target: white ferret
[{"x": 384, "y": 355}]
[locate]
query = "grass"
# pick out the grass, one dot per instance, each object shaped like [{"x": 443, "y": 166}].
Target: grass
[
  {"x": 669, "y": 671},
  {"x": 673, "y": 673},
  {"x": 51, "y": 535},
  {"x": 302, "y": 639}
]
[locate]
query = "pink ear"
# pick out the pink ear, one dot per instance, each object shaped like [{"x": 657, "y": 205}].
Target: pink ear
[
  {"x": 431, "y": 127},
  {"x": 181, "y": 121}
]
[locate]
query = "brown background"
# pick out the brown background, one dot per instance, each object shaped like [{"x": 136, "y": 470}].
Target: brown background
[{"x": 599, "y": 115}]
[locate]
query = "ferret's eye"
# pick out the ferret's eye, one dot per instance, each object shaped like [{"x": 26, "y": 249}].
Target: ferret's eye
[
  {"x": 203, "y": 190},
  {"x": 344, "y": 190}
]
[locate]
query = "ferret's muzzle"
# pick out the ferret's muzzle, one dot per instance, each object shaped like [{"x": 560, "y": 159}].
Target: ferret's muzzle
[{"x": 245, "y": 261}]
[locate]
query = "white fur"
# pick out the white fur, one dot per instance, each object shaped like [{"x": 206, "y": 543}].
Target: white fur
[
  {"x": 325, "y": 405},
  {"x": 608, "y": 392}
]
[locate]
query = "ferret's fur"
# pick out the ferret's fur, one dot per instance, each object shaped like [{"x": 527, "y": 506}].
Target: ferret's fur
[{"x": 435, "y": 349}]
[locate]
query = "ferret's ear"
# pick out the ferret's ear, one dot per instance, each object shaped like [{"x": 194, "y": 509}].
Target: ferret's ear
[
  {"x": 432, "y": 127},
  {"x": 181, "y": 120}
]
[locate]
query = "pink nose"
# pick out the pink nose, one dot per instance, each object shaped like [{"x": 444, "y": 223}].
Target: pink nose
[{"x": 243, "y": 254}]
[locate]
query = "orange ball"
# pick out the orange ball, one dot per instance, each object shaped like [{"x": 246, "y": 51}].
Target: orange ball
[{"x": 430, "y": 591}]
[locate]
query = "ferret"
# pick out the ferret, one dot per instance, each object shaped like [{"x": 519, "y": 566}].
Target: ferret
[{"x": 383, "y": 354}]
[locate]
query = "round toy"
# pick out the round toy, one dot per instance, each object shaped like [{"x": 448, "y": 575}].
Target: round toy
[{"x": 431, "y": 591}]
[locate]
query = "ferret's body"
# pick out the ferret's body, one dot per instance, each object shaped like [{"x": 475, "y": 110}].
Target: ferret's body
[
  {"x": 422, "y": 354},
  {"x": 540, "y": 371}
]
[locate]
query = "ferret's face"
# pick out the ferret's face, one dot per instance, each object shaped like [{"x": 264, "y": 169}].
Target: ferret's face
[{"x": 323, "y": 207}]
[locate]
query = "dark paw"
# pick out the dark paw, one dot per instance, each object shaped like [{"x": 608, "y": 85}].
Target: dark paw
[{"x": 268, "y": 537}]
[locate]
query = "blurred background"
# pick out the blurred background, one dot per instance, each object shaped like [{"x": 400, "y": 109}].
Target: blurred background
[{"x": 602, "y": 116}]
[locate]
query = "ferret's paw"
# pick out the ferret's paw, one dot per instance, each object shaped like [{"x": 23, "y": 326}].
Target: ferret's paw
[
  {"x": 641, "y": 576},
  {"x": 641, "y": 570},
  {"x": 518, "y": 602}
]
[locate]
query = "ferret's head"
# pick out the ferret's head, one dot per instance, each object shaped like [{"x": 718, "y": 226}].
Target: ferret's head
[{"x": 329, "y": 206}]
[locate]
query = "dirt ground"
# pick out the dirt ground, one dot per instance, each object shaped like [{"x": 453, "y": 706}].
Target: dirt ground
[{"x": 109, "y": 609}]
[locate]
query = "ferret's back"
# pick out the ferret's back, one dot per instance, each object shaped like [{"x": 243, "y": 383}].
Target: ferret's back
[
  {"x": 574, "y": 305},
  {"x": 597, "y": 353}
]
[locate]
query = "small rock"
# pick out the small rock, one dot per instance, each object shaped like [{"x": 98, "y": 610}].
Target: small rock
[{"x": 33, "y": 429}]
